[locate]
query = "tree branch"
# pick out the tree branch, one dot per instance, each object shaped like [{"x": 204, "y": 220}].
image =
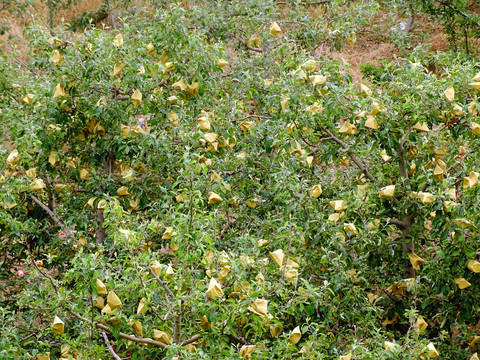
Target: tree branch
[
  {"x": 177, "y": 323},
  {"x": 106, "y": 329},
  {"x": 164, "y": 285},
  {"x": 237, "y": 339},
  {"x": 101, "y": 233},
  {"x": 399, "y": 223},
  {"x": 401, "y": 157},
  {"x": 122, "y": 335},
  {"x": 47, "y": 210},
  {"x": 352, "y": 156},
  {"x": 110, "y": 348},
  {"x": 243, "y": 42},
  {"x": 191, "y": 340},
  {"x": 460, "y": 12},
  {"x": 256, "y": 116},
  {"x": 304, "y": 3},
  {"x": 58, "y": 222}
]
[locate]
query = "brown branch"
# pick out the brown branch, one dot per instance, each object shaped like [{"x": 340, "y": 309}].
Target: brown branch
[
  {"x": 51, "y": 198},
  {"x": 110, "y": 348},
  {"x": 55, "y": 287},
  {"x": 122, "y": 335},
  {"x": 177, "y": 323},
  {"x": 5, "y": 181},
  {"x": 101, "y": 233},
  {"x": 352, "y": 156},
  {"x": 189, "y": 341},
  {"x": 401, "y": 157},
  {"x": 399, "y": 223},
  {"x": 26, "y": 66},
  {"x": 164, "y": 285},
  {"x": 54, "y": 217},
  {"x": 304, "y": 3},
  {"x": 409, "y": 24},
  {"x": 256, "y": 116},
  {"x": 77, "y": 54},
  {"x": 460, "y": 12},
  {"x": 243, "y": 42},
  {"x": 161, "y": 83},
  {"x": 112, "y": 19},
  {"x": 237, "y": 339}
]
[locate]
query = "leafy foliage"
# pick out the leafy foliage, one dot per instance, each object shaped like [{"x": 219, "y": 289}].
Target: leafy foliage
[{"x": 209, "y": 164}]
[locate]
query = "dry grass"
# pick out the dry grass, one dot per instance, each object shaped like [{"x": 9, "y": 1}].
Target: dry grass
[
  {"x": 364, "y": 50},
  {"x": 372, "y": 49},
  {"x": 14, "y": 37}
]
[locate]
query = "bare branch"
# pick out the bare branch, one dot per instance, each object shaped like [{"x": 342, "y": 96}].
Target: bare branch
[
  {"x": 256, "y": 116},
  {"x": 460, "y": 12},
  {"x": 47, "y": 210},
  {"x": 237, "y": 339},
  {"x": 122, "y": 335},
  {"x": 243, "y": 42},
  {"x": 54, "y": 217},
  {"x": 177, "y": 323},
  {"x": 304, "y": 3},
  {"x": 401, "y": 157},
  {"x": 77, "y": 54},
  {"x": 110, "y": 348},
  {"x": 26, "y": 66},
  {"x": 401, "y": 224},
  {"x": 101, "y": 233},
  {"x": 164, "y": 285},
  {"x": 191, "y": 340},
  {"x": 44, "y": 274},
  {"x": 352, "y": 156}
]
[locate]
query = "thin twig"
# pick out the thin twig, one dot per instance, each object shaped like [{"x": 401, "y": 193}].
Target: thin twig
[
  {"x": 26, "y": 66},
  {"x": 177, "y": 323},
  {"x": 257, "y": 116},
  {"x": 77, "y": 54},
  {"x": 47, "y": 210},
  {"x": 191, "y": 340},
  {"x": 460, "y": 12},
  {"x": 304, "y": 3},
  {"x": 401, "y": 224},
  {"x": 111, "y": 15},
  {"x": 110, "y": 348},
  {"x": 164, "y": 285},
  {"x": 243, "y": 42},
  {"x": 237, "y": 339},
  {"x": 352, "y": 156},
  {"x": 106, "y": 328},
  {"x": 122, "y": 335}
]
